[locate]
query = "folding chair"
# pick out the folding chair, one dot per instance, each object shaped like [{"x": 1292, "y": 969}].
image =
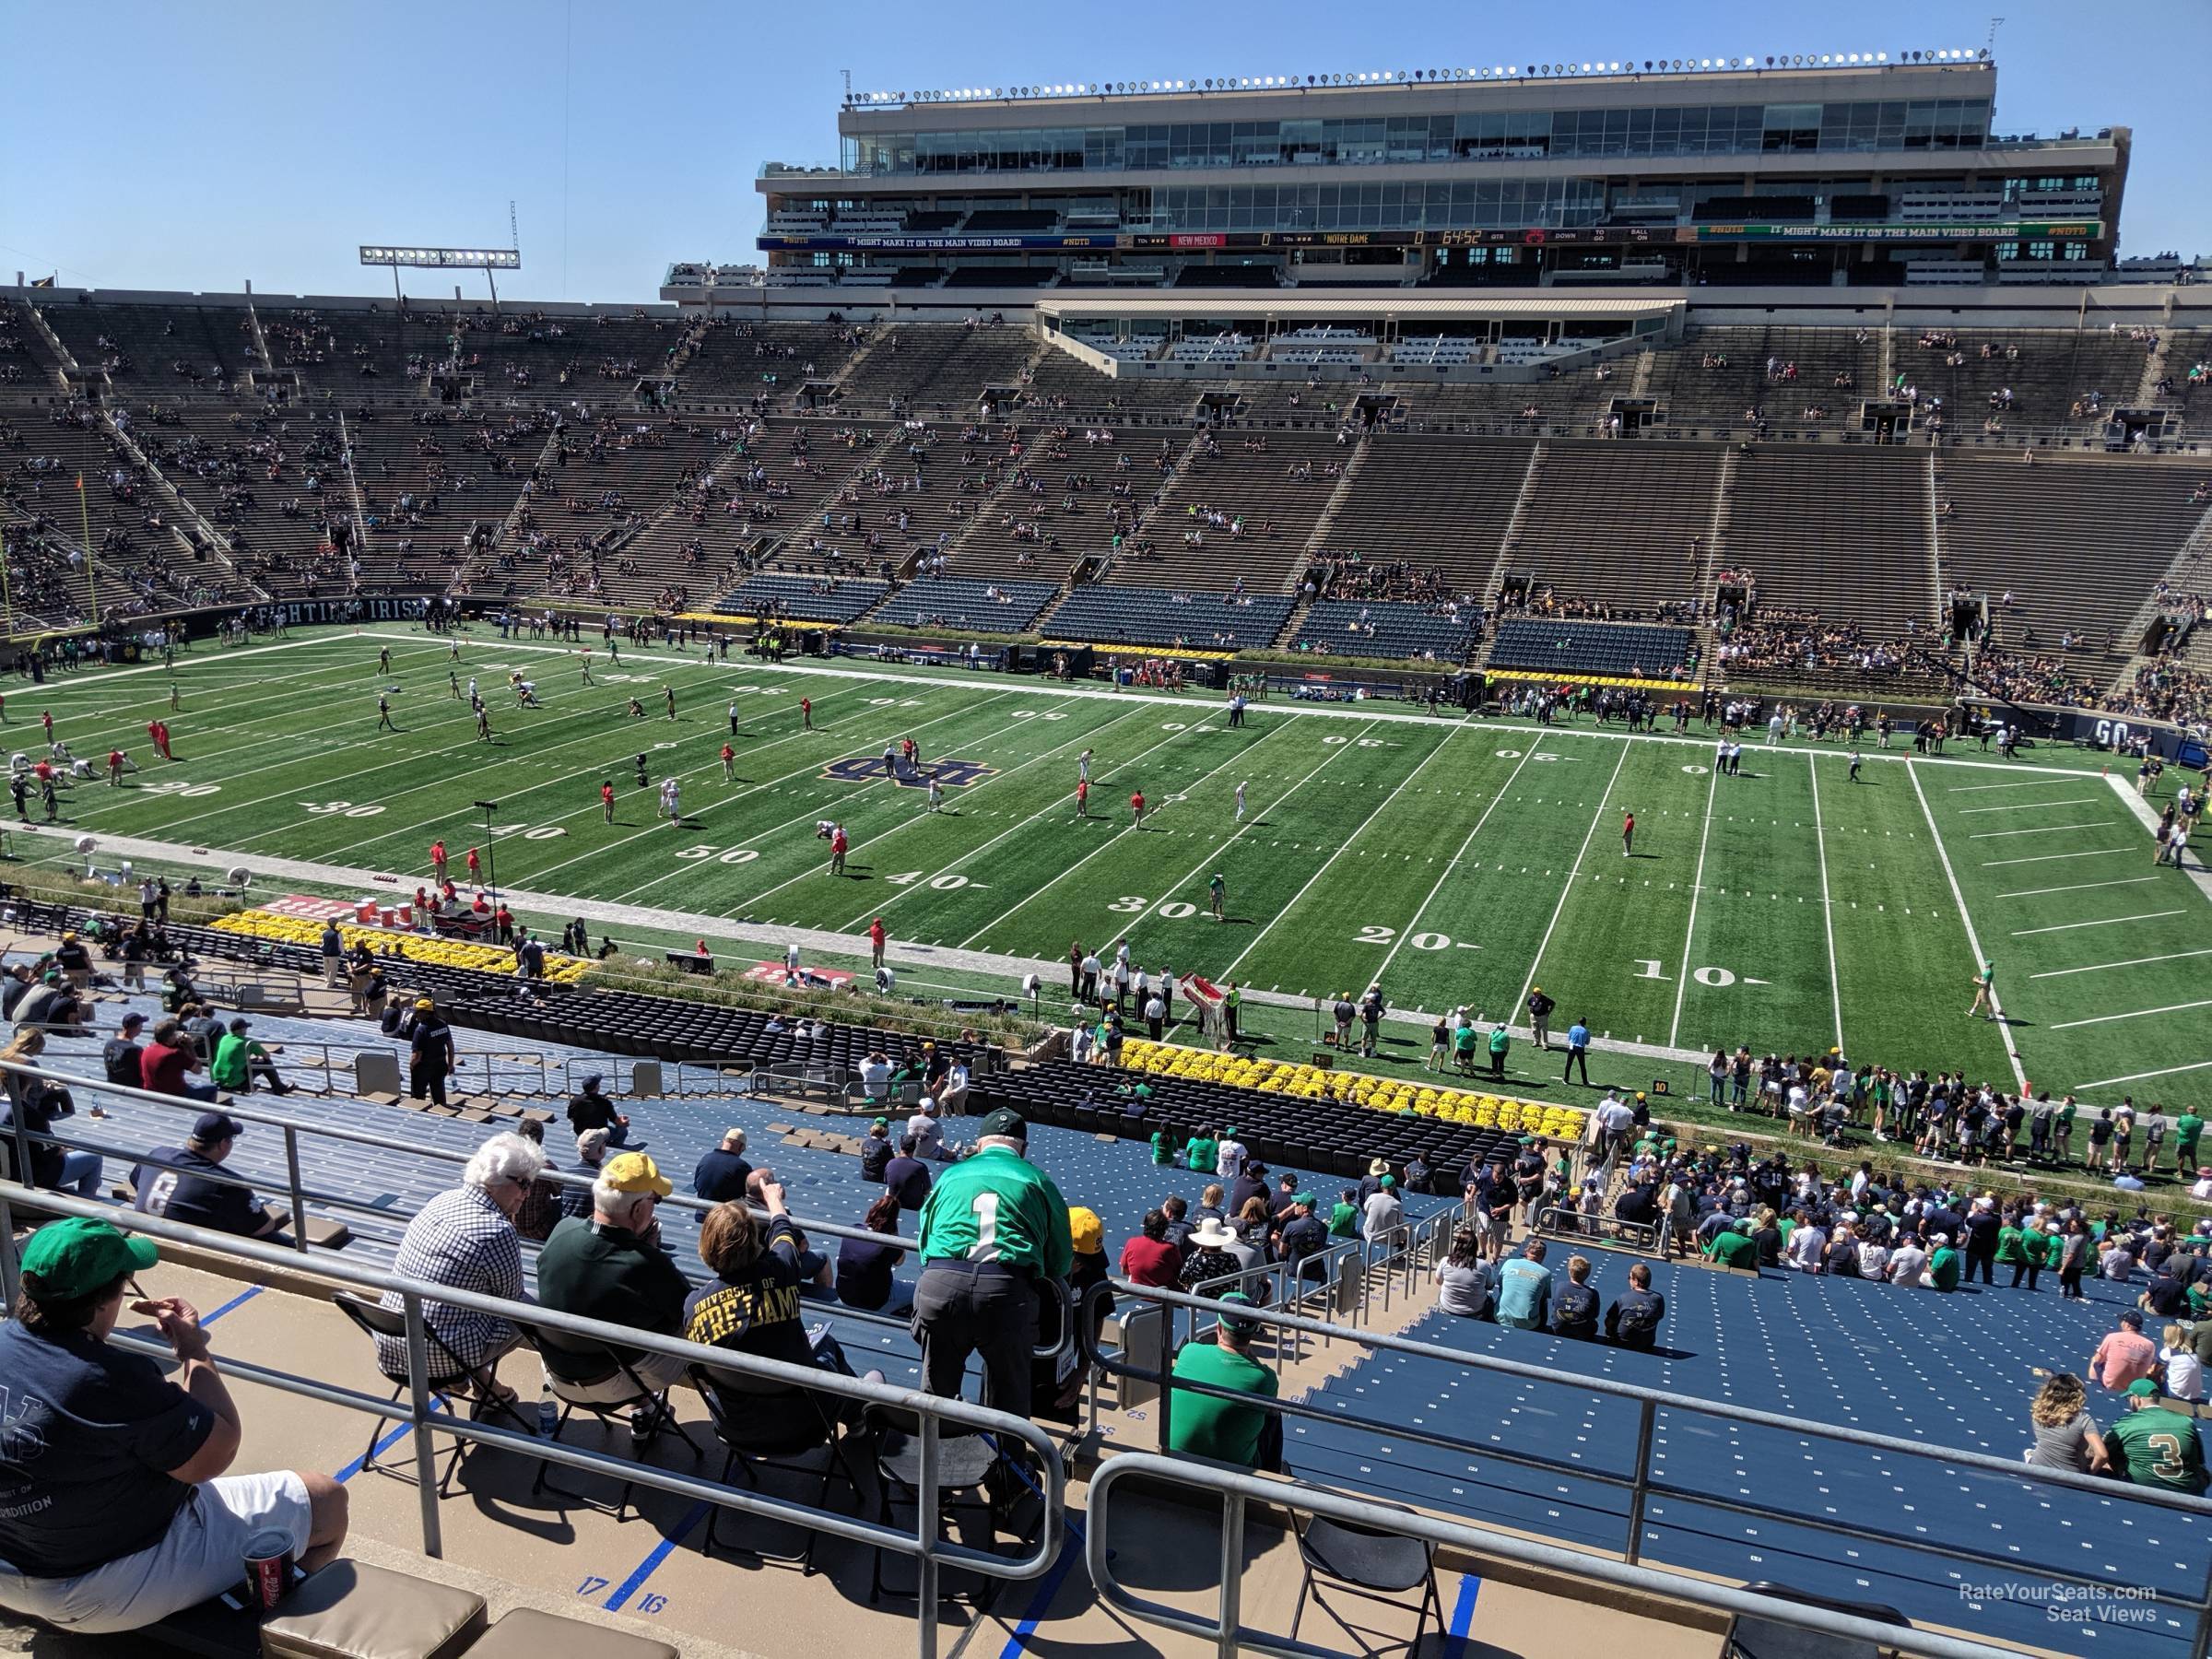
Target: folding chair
[
  {"x": 573, "y": 1363},
  {"x": 448, "y": 1376},
  {"x": 964, "y": 1465},
  {"x": 1365, "y": 1562},
  {"x": 753, "y": 1441}
]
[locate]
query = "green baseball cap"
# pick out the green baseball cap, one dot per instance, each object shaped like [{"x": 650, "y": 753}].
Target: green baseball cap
[
  {"x": 2143, "y": 1388},
  {"x": 75, "y": 1256},
  {"x": 1304, "y": 1198}
]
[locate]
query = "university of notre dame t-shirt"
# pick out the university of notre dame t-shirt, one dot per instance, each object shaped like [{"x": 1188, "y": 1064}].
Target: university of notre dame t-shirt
[{"x": 88, "y": 1433}]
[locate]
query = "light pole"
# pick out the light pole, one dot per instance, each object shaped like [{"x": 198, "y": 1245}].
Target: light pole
[{"x": 491, "y": 857}]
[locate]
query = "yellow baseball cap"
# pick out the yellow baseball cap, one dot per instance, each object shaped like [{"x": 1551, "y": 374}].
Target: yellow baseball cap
[
  {"x": 635, "y": 1173},
  {"x": 1086, "y": 1232}
]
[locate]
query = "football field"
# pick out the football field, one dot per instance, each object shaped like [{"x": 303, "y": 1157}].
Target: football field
[{"x": 1457, "y": 861}]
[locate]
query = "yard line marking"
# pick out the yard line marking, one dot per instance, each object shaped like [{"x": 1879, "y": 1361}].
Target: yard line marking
[
  {"x": 1406, "y": 932},
  {"x": 1230, "y": 971},
  {"x": 2138, "y": 1077},
  {"x": 917, "y": 819},
  {"x": 1187, "y": 789},
  {"x": 1992, "y": 864},
  {"x": 2029, "y": 784},
  {"x": 1697, "y": 886},
  {"x": 811, "y": 815},
  {"x": 2021, "y": 933},
  {"x": 1246, "y": 829},
  {"x": 2079, "y": 887},
  {"x": 2139, "y": 1014},
  {"x": 2200, "y": 878},
  {"x": 2171, "y": 956},
  {"x": 1604, "y": 800},
  {"x": 1835, "y": 986},
  {"x": 2027, "y": 805},
  {"x": 2020, "y": 1073},
  {"x": 2038, "y": 829}
]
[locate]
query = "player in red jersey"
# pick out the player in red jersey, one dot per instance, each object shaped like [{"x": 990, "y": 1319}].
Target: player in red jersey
[
  {"x": 438, "y": 860},
  {"x": 805, "y": 714},
  {"x": 729, "y": 764},
  {"x": 607, "y": 800},
  {"x": 476, "y": 866},
  {"x": 1082, "y": 797},
  {"x": 1136, "y": 805},
  {"x": 1627, "y": 835}
]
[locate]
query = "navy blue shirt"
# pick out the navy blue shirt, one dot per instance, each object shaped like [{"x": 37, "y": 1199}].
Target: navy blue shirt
[
  {"x": 720, "y": 1177},
  {"x": 89, "y": 1434},
  {"x": 909, "y": 1178},
  {"x": 866, "y": 1272},
  {"x": 194, "y": 1199}
]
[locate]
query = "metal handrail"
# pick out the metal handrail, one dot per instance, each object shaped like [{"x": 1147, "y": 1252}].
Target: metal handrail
[
  {"x": 298, "y": 1195},
  {"x": 1641, "y": 1482},
  {"x": 932, "y": 1412},
  {"x": 1230, "y": 1636}
]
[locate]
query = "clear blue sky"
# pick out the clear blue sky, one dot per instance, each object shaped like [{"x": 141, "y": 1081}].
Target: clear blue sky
[{"x": 165, "y": 145}]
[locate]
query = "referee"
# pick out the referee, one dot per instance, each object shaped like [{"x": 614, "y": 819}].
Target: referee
[{"x": 994, "y": 1227}]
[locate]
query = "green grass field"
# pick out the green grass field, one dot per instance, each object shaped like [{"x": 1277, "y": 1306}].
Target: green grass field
[{"x": 1459, "y": 862}]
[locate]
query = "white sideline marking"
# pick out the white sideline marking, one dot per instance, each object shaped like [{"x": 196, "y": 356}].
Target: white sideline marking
[
  {"x": 2139, "y": 1014},
  {"x": 2038, "y": 829},
  {"x": 1828, "y": 908},
  {"x": 1966, "y": 919},
  {"x": 2171, "y": 956},
  {"x": 2026, "y": 805},
  {"x": 2021, "y": 933},
  {"x": 2138, "y": 1077},
  {"x": 2079, "y": 887},
  {"x": 1992, "y": 864},
  {"x": 1605, "y": 799}
]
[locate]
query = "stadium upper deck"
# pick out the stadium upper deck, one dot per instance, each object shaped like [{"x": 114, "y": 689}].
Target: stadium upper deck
[{"x": 1841, "y": 169}]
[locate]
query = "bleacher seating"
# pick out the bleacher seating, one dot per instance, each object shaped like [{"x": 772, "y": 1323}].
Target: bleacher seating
[
  {"x": 1844, "y": 534},
  {"x": 1614, "y": 523},
  {"x": 1559, "y": 646},
  {"x": 1270, "y": 489},
  {"x": 1438, "y": 501},
  {"x": 806, "y": 598},
  {"x": 967, "y": 603},
  {"x": 1136, "y": 616},
  {"x": 1378, "y": 629}
]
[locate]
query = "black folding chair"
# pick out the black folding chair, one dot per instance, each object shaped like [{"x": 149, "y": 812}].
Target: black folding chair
[
  {"x": 965, "y": 1462},
  {"x": 449, "y": 1376},
  {"x": 572, "y": 1363},
  {"x": 755, "y": 1440},
  {"x": 1369, "y": 1563}
]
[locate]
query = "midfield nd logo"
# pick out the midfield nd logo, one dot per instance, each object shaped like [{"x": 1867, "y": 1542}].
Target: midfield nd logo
[{"x": 869, "y": 769}]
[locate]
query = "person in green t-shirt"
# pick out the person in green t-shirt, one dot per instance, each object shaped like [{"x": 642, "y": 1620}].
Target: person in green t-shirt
[
  {"x": 1463, "y": 1041},
  {"x": 992, "y": 1229},
  {"x": 2063, "y": 1135},
  {"x": 1346, "y": 1218},
  {"x": 2187, "y": 1128},
  {"x": 239, "y": 1062},
  {"x": 1163, "y": 1150},
  {"x": 1731, "y": 1249},
  {"x": 2153, "y": 1446},
  {"x": 1500, "y": 1041},
  {"x": 1943, "y": 1266},
  {"x": 1202, "y": 1152},
  {"x": 1228, "y": 1430}
]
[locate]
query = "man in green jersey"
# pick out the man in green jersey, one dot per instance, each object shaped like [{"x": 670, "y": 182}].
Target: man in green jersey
[
  {"x": 2154, "y": 1446},
  {"x": 995, "y": 1227},
  {"x": 1733, "y": 1248},
  {"x": 1228, "y": 1430},
  {"x": 2186, "y": 1129}
]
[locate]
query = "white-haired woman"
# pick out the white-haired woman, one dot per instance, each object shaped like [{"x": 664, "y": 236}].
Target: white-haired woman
[{"x": 466, "y": 1238}]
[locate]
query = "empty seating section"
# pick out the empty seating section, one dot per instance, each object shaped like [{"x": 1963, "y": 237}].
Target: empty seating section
[
  {"x": 1615, "y": 523},
  {"x": 603, "y": 354},
  {"x": 967, "y": 605},
  {"x": 1379, "y": 629},
  {"x": 1239, "y": 508},
  {"x": 2054, "y": 376},
  {"x": 1325, "y": 1138},
  {"x": 1559, "y": 646},
  {"x": 1212, "y": 348},
  {"x": 1436, "y": 502},
  {"x": 2065, "y": 547},
  {"x": 169, "y": 347},
  {"x": 1063, "y": 384},
  {"x": 767, "y": 358},
  {"x": 1713, "y": 380},
  {"x": 1448, "y": 349},
  {"x": 805, "y": 599},
  {"x": 1201, "y": 621},
  {"x": 936, "y": 367},
  {"x": 1045, "y": 500},
  {"x": 1841, "y": 533}
]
